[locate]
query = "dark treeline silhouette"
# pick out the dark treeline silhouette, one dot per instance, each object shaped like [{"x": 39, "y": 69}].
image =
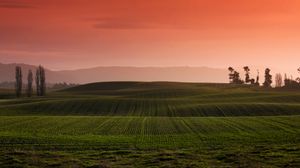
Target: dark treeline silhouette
[
  {"x": 247, "y": 76},
  {"x": 40, "y": 80},
  {"x": 19, "y": 81},
  {"x": 29, "y": 83},
  {"x": 290, "y": 82},
  {"x": 50, "y": 86},
  {"x": 268, "y": 78},
  {"x": 234, "y": 78}
]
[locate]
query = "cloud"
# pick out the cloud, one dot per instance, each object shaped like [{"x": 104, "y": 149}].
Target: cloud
[
  {"x": 121, "y": 23},
  {"x": 124, "y": 23},
  {"x": 15, "y": 4}
]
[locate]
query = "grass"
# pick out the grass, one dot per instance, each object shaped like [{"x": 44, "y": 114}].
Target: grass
[
  {"x": 142, "y": 141},
  {"x": 158, "y": 99},
  {"x": 151, "y": 132},
  {"x": 160, "y": 124}
]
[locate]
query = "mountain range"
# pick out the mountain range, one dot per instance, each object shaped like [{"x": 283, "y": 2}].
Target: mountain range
[{"x": 118, "y": 73}]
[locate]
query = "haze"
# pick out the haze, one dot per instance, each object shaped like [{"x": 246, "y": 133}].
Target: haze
[{"x": 73, "y": 34}]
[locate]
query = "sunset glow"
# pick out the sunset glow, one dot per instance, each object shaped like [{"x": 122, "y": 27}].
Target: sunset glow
[{"x": 72, "y": 34}]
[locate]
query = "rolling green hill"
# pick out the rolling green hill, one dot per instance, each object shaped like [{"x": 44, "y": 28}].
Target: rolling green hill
[
  {"x": 158, "y": 99},
  {"x": 151, "y": 124},
  {"x": 86, "y": 141}
]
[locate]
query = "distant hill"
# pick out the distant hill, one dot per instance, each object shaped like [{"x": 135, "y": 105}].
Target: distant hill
[
  {"x": 164, "y": 99},
  {"x": 7, "y": 73},
  {"x": 98, "y": 74},
  {"x": 136, "y": 86}
]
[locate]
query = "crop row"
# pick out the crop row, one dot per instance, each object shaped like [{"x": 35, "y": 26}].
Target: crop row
[
  {"x": 149, "y": 125},
  {"x": 147, "y": 131},
  {"x": 144, "y": 107}
]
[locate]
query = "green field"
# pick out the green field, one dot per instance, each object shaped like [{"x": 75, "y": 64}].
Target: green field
[{"x": 158, "y": 124}]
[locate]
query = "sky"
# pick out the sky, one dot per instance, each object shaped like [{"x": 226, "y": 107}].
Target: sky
[{"x": 73, "y": 34}]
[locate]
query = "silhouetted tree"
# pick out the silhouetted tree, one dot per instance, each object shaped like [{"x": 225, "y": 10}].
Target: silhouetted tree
[
  {"x": 278, "y": 80},
  {"x": 285, "y": 79},
  {"x": 252, "y": 81},
  {"x": 290, "y": 83},
  {"x": 231, "y": 74},
  {"x": 234, "y": 76},
  {"x": 19, "y": 82},
  {"x": 236, "y": 79},
  {"x": 29, "y": 83},
  {"x": 43, "y": 81},
  {"x": 247, "y": 75},
  {"x": 40, "y": 81},
  {"x": 287, "y": 82},
  {"x": 268, "y": 78}
]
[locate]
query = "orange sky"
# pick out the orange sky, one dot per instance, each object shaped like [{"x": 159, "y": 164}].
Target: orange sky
[{"x": 71, "y": 34}]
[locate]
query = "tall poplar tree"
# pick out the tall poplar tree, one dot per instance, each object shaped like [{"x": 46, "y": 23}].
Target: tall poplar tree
[
  {"x": 29, "y": 83},
  {"x": 268, "y": 78},
  {"x": 40, "y": 80},
  {"x": 19, "y": 82},
  {"x": 37, "y": 82}
]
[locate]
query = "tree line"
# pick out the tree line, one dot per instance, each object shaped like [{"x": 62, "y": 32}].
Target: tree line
[
  {"x": 50, "y": 86},
  {"x": 234, "y": 78},
  {"x": 40, "y": 82}
]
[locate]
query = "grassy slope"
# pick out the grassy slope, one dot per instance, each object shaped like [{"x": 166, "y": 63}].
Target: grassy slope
[
  {"x": 150, "y": 141},
  {"x": 150, "y": 132},
  {"x": 158, "y": 99},
  {"x": 152, "y": 124}
]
